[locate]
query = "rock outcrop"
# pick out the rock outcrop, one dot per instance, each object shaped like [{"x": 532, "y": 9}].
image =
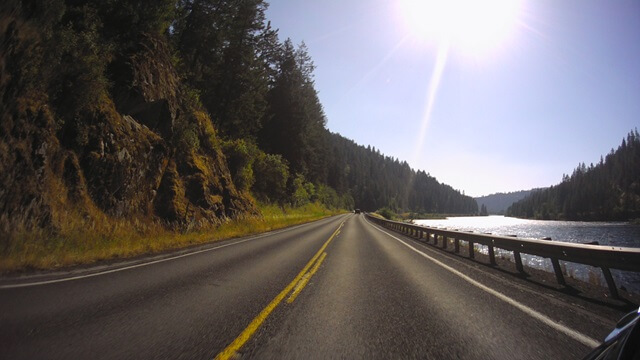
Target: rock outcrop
[{"x": 144, "y": 150}]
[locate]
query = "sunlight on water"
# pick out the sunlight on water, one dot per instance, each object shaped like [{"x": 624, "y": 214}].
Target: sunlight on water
[{"x": 605, "y": 233}]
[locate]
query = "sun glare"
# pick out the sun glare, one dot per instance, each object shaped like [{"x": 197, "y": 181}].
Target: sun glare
[{"x": 472, "y": 27}]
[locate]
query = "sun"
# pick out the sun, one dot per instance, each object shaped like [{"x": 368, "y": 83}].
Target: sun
[{"x": 473, "y": 27}]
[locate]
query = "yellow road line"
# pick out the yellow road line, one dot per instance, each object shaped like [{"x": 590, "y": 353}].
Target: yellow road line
[
  {"x": 246, "y": 334},
  {"x": 305, "y": 279}
]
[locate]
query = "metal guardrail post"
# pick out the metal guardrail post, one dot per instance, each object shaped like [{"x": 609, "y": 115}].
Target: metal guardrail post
[
  {"x": 471, "y": 250},
  {"x": 492, "y": 254},
  {"x": 445, "y": 240},
  {"x": 558, "y": 270},
  {"x": 518, "y": 260},
  {"x": 456, "y": 245},
  {"x": 610, "y": 282}
]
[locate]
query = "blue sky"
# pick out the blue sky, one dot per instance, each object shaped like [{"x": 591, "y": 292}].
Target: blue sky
[{"x": 562, "y": 87}]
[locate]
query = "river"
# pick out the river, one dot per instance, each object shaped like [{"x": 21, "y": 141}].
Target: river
[{"x": 605, "y": 233}]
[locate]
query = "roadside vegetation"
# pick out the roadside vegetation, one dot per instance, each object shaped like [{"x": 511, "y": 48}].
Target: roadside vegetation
[
  {"x": 389, "y": 214},
  {"x": 88, "y": 241}
]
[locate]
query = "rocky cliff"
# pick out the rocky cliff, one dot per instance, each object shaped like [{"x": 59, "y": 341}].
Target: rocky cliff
[{"x": 141, "y": 149}]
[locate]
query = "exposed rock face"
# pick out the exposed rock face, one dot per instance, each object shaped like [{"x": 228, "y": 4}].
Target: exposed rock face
[
  {"x": 126, "y": 156},
  {"x": 147, "y": 87},
  {"x": 122, "y": 162}
]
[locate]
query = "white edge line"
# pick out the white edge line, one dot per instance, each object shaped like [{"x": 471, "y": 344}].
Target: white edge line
[
  {"x": 13, "y": 286},
  {"x": 574, "y": 334}
]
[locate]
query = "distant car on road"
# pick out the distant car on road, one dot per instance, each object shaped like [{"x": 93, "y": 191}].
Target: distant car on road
[
  {"x": 623, "y": 342},
  {"x": 356, "y": 211}
]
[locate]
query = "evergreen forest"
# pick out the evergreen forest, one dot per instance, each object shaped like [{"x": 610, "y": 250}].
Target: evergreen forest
[
  {"x": 260, "y": 94},
  {"x": 606, "y": 191}
]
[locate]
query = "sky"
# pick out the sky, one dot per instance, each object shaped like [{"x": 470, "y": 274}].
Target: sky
[{"x": 485, "y": 100}]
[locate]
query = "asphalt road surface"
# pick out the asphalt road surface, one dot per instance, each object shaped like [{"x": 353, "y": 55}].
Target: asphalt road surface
[{"x": 341, "y": 287}]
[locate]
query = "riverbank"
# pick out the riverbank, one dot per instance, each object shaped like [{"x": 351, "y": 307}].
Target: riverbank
[{"x": 408, "y": 216}]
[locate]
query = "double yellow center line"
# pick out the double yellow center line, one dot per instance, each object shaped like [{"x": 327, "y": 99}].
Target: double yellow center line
[{"x": 298, "y": 283}]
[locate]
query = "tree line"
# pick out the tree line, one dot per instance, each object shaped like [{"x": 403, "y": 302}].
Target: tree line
[
  {"x": 261, "y": 96},
  {"x": 608, "y": 190},
  {"x": 258, "y": 90}
]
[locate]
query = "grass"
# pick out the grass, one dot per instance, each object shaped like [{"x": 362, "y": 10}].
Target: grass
[
  {"x": 375, "y": 214},
  {"x": 423, "y": 216},
  {"x": 88, "y": 241}
]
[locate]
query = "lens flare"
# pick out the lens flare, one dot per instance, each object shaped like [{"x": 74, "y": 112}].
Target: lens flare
[
  {"x": 472, "y": 27},
  {"x": 434, "y": 85}
]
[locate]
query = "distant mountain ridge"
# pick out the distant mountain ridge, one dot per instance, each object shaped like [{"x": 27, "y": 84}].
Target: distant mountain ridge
[{"x": 498, "y": 203}]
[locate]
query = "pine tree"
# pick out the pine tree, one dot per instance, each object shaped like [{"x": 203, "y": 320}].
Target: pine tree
[{"x": 224, "y": 47}]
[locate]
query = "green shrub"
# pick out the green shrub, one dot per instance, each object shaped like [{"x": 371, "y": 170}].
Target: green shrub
[
  {"x": 328, "y": 196},
  {"x": 81, "y": 56},
  {"x": 300, "y": 194},
  {"x": 187, "y": 136},
  {"x": 241, "y": 156},
  {"x": 271, "y": 176},
  {"x": 386, "y": 212}
]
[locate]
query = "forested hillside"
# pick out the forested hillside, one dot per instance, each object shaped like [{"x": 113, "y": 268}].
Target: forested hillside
[
  {"x": 377, "y": 181},
  {"x": 261, "y": 95},
  {"x": 608, "y": 190},
  {"x": 498, "y": 203},
  {"x": 182, "y": 112}
]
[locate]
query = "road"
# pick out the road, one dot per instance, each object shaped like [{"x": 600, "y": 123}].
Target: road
[{"x": 341, "y": 287}]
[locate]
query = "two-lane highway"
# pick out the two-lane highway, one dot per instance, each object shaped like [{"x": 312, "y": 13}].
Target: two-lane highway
[
  {"x": 337, "y": 288},
  {"x": 189, "y": 307}
]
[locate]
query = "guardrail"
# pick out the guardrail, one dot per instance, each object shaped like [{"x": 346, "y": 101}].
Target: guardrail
[{"x": 604, "y": 257}]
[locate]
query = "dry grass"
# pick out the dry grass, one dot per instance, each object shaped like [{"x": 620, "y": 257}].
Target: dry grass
[{"x": 82, "y": 241}]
